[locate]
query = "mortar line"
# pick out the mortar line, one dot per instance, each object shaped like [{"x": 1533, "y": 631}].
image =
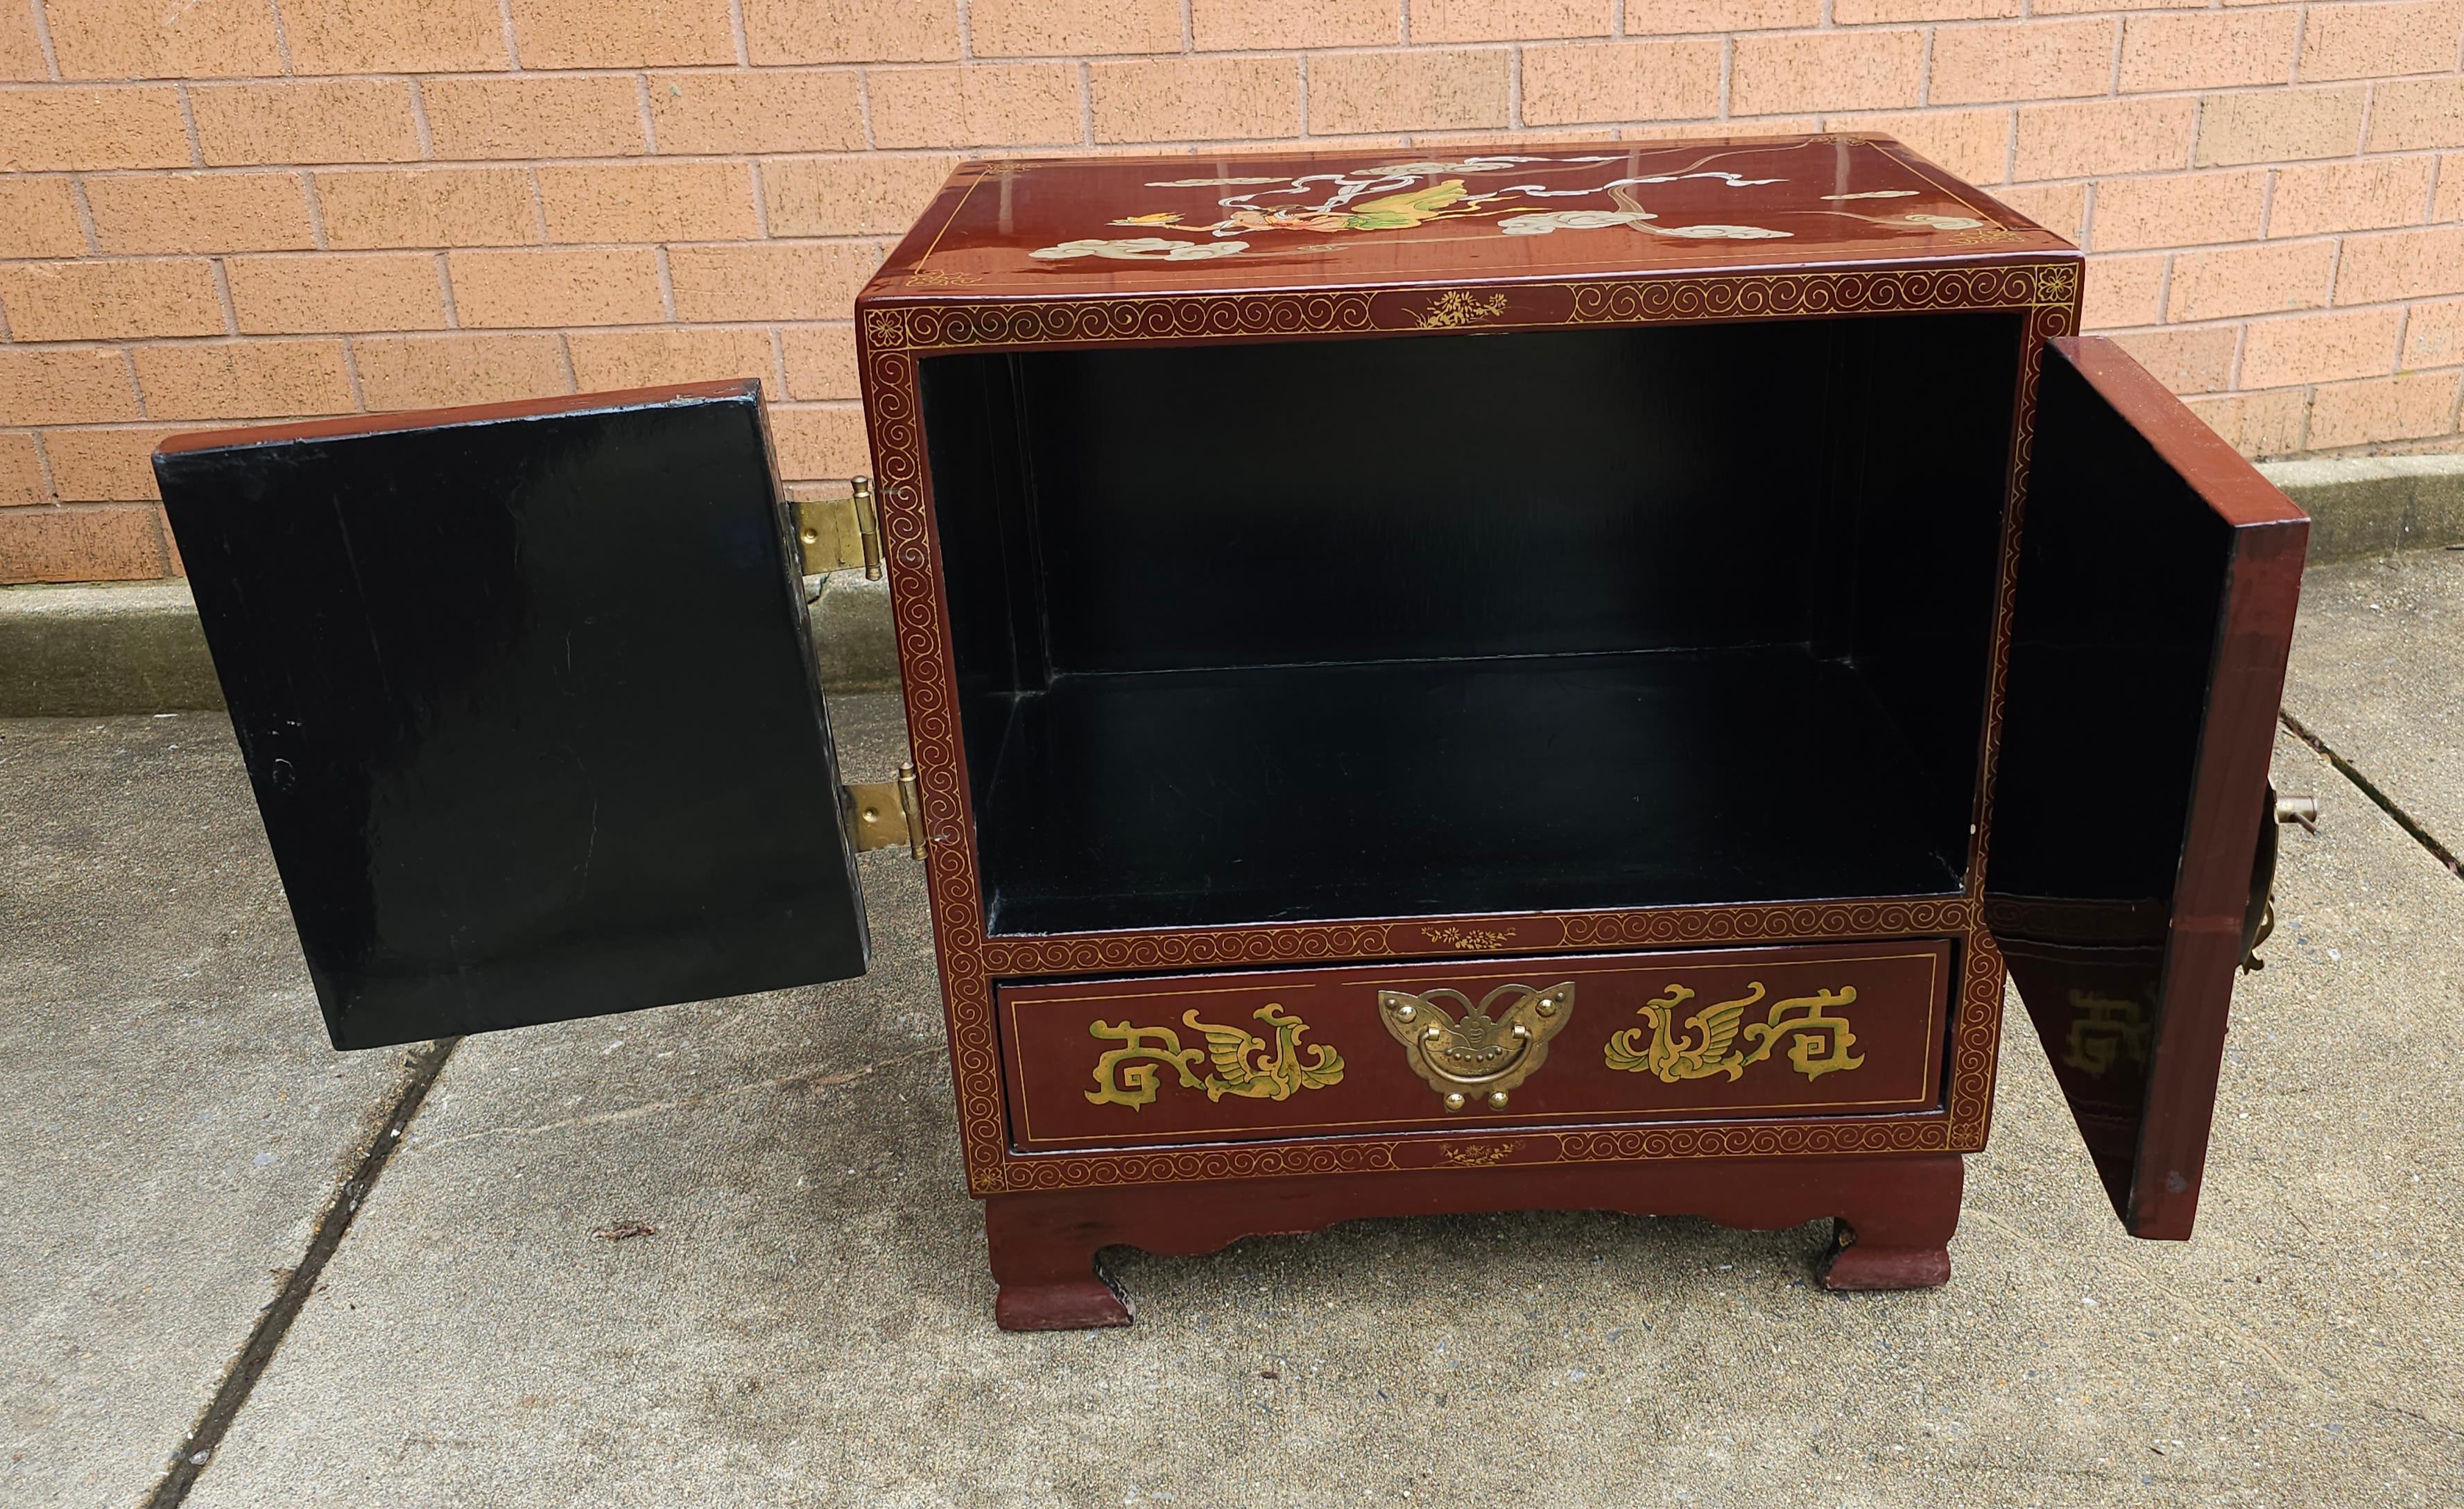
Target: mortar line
[
  {"x": 2370, "y": 789},
  {"x": 273, "y": 1322}
]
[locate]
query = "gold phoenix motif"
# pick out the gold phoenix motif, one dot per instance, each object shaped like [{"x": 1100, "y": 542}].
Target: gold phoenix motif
[
  {"x": 1145, "y": 1050},
  {"x": 1477, "y": 1054},
  {"x": 1706, "y": 1046}
]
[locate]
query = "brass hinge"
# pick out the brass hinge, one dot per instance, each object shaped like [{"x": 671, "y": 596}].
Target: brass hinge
[
  {"x": 881, "y": 813},
  {"x": 841, "y": 534}
]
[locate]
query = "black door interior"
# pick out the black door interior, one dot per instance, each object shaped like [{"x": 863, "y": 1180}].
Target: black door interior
[{"x": 527, "y": 701}]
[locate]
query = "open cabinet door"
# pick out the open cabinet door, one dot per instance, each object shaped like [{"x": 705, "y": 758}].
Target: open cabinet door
[
  {"x": 527, "y": 700},
  {"x": 2158, "y": 575}
]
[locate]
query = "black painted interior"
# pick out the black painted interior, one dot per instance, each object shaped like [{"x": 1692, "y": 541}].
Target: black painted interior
[
  {"x": 1472, "y": 623},
  {"x": 2122, "y": 573}
]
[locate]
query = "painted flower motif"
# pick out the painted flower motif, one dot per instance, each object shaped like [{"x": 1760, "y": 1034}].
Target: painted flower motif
[
  {"x": 1944, "y": 221},
  {"x": 1140, "y": 248},
  {"x": 1541, "y": 225},
  {"x": 1878, "y": 193},
  {"x": 1723, "y": 233}
]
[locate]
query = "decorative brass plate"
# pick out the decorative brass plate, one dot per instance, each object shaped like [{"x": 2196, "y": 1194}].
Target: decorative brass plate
[{"x": 1477, "y": 1054}]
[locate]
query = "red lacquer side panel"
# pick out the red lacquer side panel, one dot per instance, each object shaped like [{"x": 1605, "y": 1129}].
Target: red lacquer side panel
[{"x": 1577, "y": 1041}]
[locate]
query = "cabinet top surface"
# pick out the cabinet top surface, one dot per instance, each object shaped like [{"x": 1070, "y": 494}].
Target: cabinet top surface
[{"x": 1139, "y": 225}]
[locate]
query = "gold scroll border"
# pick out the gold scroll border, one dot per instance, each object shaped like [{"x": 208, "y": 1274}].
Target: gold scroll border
[
  {"x": 1664, "y": 298},
  {"x": 886, "y": 338}
]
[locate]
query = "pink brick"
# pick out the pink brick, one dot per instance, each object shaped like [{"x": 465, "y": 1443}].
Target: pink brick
[
  {"x": 1424, "y": 89},
  {"x": 2104, "y": 135},
  {"x": 993, "y": 104},
  {"x": 2380, "y": 37},
  {"x": 2122, "y": 290},
  {"x": 21, "y": 471},
  {"x": 2371, "y": 194},
  {"x": 2433, "y": 334},
  {"x": 1270, "y": 23},
  {"x": 852, "y": 31},
  {"x": 819, "y": 440},
  {"x": 2036, "y": 60},
  {"x": 2191, "y": 358},
  {"x": 1508, "y": 20},
  {"x": 1621, "y": 81},
  {"x": 1867, "y": 12},
  {"x": 2413, "y": 406},
  {"x": 2209, "y": 50},
  {"x": 2059, "y": 207},
  {"x": 2179, "y": 209},
  {"x": 1974, "y": 144},
  {"x": 821, "y": 360},
  {"x": 1045, "y": 29},
  {"x": 2320, "y": 348},
  {"x": 1195, "y": 99},
  {"x": 2250, "y": 280},
  {"x": 2413, "y": 113},
  {"x": 1826, "y": 71},
  {"x": 2450, "y": 201},
  {"x": 1657, "y": 18},
  {"x": 2401, "y": 264},
  {"x": 109, "y": 542},
  {"x": 2258, "y": 424}
]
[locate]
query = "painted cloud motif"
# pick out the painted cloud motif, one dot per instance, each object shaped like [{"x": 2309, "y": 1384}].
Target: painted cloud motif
[{"x": 1140, "y": 248}]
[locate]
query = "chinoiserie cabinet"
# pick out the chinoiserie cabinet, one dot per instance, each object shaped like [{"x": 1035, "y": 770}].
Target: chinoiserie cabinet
[{"x": 1552, "y": 677}]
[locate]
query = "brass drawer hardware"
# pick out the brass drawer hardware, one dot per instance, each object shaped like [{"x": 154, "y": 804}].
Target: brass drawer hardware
[
  {"x": 881, "y": 813},
  {"x": 1476, "y": 1055},
  {"x": 841, "y": 534},
  {"x": 1819, "y": 1045},
  {"x": 1229, "y": 1049}
]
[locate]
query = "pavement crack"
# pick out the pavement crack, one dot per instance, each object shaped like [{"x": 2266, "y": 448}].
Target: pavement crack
[
  {"x": 815, "y": 1079},
  {"x": 426, "y": 1063},
  {"x": 2370, "y": 789}
]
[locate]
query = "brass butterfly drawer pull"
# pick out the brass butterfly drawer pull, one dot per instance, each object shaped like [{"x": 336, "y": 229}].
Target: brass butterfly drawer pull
[{"x": 1476, "y": 1055}]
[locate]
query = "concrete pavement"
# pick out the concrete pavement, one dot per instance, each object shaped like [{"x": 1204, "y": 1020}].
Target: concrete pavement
[
  {"x": 809, "y": 1321},
  {"x": 2376, "y": 679},
  {"x": 171, "y": 1120}
]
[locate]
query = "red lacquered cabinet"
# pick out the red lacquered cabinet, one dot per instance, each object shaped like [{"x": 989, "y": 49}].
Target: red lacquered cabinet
[{"x": 1532, "y": 678}]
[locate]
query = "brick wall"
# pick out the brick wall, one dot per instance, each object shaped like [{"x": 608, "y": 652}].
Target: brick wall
[{"x": 221, "y": 210}]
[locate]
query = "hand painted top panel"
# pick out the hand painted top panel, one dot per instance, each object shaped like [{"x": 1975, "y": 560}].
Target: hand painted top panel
[{"x": 1147, "y": 225}]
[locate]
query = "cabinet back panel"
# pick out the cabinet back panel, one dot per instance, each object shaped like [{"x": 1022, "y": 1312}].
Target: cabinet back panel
[{"x": 1558, "y": 492}]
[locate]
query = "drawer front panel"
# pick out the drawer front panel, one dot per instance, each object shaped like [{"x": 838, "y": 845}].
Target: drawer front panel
[{"x": 1841, "y": 1029}]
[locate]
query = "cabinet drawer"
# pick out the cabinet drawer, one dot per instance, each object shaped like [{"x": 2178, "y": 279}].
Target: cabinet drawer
[{"x": 1697, "y": 1034}]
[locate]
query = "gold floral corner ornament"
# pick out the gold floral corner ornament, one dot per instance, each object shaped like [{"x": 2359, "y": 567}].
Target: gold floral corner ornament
[
  {"x": 1818, "y": 1041},
  {"x": 1129, "y": 1076},
  {"x": 1454, "y": 309},
  {"x": 1476, "y": 1056}
]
